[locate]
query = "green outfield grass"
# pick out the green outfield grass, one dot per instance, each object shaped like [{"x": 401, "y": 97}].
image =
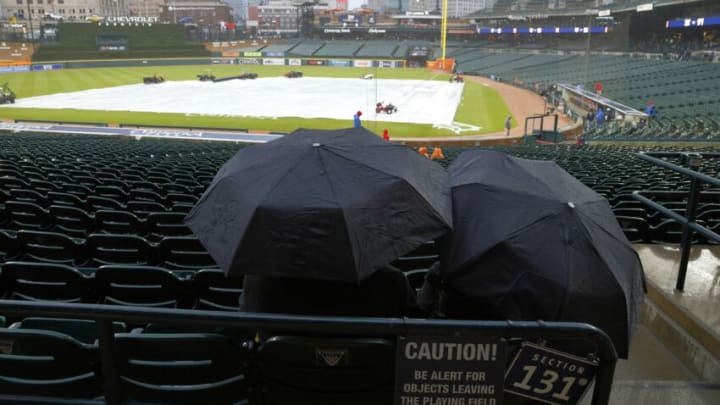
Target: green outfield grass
[{"x": 480, "y": 106}]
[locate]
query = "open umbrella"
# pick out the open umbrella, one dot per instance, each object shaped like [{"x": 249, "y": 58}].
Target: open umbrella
[
  {"x": 531, "y": 242},
  {"x": 332, "y": 205}
]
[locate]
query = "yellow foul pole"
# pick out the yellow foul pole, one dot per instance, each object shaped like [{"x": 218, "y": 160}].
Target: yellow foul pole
[{"x": 443, "y": 29}]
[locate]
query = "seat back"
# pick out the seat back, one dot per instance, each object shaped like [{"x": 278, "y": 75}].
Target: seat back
[
  {"x": 212, "y": 290},
  {"x": 138, "y": 286},
  {"x": 184, "y": 253},
  {"x": 27, "y": 215},
  {"x": 181, "y": 368},
  {"x": 118, "y": 249},
  {"x": 48, "y": 247},
  {"x": 36, "y": 362},
  {"x": 83, "y": 330},
  {"x": 44, "y": 281},
  {"x": 119, "y": 222},
  {"x": 311, "y": 370},
  {"x": 72, "y": 220},
  {"x": 164, "y": 224}
]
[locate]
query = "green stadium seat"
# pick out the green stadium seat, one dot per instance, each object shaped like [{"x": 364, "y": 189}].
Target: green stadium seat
[
  {"x": 44, "y": 282},
  {"x": 181, "y": 368},
  {"x": 45, "y": 363},
  {"x": 138, "y": 286}
]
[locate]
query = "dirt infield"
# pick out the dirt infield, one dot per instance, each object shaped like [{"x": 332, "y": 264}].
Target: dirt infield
[{"x": 522, "y": 103}]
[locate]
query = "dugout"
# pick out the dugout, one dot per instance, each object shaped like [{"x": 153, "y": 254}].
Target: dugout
[{"x": 578, "y": 101}]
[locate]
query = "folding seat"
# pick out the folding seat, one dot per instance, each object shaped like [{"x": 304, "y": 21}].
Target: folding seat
[
  {"x": 9, "y": 246},
  {"x": 113, "y": 182},
  {"x": 76, "y": 189},
  {"x": 323, "y": 370},
  {"x": 52, "y": 247},
  {"x": 138, "y": 286},
  {"x": 670, "y": 232},
  {"x": 95, "y": 203},
  {"x": 84, "y": 330},
  {"x": 164, "y": 224},
  {"x": 422, "y": 256},
  {"x": 145, "y": 195},
  {"x": 72, "y": 221},
  {"x": 176, "y": 188},
  {"x": 102, "y": 249},
  {"x": 181, "y": 368},
  {"x": 118, "y": 222},
  {"x": 28, "y": 195},
  {"x": 143, "y": 208},
  {"x": 27, "y": 215},
  {"x": 7, "y": 183},
  {"x": 145, "y": 185},
  {"x": 184, "y": 253},
  {"x": 636, "y": 228},
  {"x": 181, "y": 198},
  {"x": 111, "y": 192},
  {"x": 86, "y": 180},
  {"x": 65, "y": 199},
  {"x": 44, "y": 282},
  {"x": 212, "y": 290},
  {"x": 46, "y": 365},
  {"x": 630, "y": 212},
  {"x": 43, "y": 186}
]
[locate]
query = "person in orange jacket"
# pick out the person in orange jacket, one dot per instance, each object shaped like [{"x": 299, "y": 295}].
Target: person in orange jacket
[
  {"x": 437, "y": 153},
  {"x": 423, "y": 150},
  {"x": 386, "y": 135}
]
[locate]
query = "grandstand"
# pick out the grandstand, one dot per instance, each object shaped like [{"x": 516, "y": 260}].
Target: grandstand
[{"x": 108, "y": 297}]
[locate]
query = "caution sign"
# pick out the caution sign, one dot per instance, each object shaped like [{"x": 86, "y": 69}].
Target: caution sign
[
  {"x": 449, "y": 371},
  {"x": 549, "y": 375}
]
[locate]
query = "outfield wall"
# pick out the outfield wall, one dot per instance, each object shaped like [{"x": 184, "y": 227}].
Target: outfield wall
[{"x": 259, "y": 61}]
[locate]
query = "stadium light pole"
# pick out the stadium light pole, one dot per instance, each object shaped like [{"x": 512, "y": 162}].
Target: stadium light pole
[{"x": 32, "y": 31}]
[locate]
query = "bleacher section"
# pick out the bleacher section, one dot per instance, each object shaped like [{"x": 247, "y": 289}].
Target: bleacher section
[
  {"x": 377, "y": 49},
  {"x": 338, "y": 48},
  {"x": 305, "y": 48},
  {"x": 680, "y": 90}
]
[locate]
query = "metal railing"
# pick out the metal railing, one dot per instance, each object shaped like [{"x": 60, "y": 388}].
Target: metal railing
[
  {"x": 692, "y": 161},
  {"x": 104, "y": 315}
]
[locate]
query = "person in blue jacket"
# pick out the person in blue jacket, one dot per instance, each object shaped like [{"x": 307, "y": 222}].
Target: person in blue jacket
[{"x": 356, "y": 120}]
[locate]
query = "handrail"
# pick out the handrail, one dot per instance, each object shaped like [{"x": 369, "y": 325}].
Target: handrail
[
  {"x": 688, "y": 221},
  {"x": 104, "y": 315}
]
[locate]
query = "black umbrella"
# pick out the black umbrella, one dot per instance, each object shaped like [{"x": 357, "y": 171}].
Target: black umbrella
[
  {"x": 531, "y": 242},
  {"x": 333, "y": 205}
]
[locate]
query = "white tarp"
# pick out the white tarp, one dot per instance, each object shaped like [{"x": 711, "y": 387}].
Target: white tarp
[{"x": 418, "y": 101}]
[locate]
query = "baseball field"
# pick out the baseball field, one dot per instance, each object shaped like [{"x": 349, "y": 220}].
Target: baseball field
[{"x": 477, "y": 110}]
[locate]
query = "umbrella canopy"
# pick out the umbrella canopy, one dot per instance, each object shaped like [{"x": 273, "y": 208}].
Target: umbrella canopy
[
  {"x": 531, "y": 242},
  {"x": 332, "y": 205}
]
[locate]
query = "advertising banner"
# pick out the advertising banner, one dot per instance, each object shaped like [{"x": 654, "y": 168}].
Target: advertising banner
[
  {"x": 363, "y": 63},
  {"x": 339, "y": 63},
  {"x": 249, "y": 61},
  {"x": 316, "y": 62},
  {"x": 54, "y": 66},
  {"x": 273, "y": 61},
  {"x": 295, "y": 62}
]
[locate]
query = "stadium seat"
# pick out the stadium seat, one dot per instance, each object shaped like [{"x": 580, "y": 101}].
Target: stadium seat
[
  {"x": 45, "y": 363},
  {"x": 50, "y": 247},
  {"x": 212, "y": 290},
  {"x": 138, "y": 286},
  {"x": 9, "y": 246},
  {"x": 66, "y": 199},
  {"x": 28, "y": 195},
  {"x": 142, "y": 208},
  {"x": 636, "y": 229},
  {"x": 72, "y": 221},
  {"x": 83, "y": 330},
  {"x": 104, "y": 249},
  {"x": 96, "y": 203},
  {"x": 181, "y": 368},
  {"x": 313, "y": 370},
  {"x": 27, "y": 215},
  {"x": 118, "y": 222},
  {"x": 44, "y": 282},
  {"x": 184, "y": 253},
  {"x": 165, "y": 224}
]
